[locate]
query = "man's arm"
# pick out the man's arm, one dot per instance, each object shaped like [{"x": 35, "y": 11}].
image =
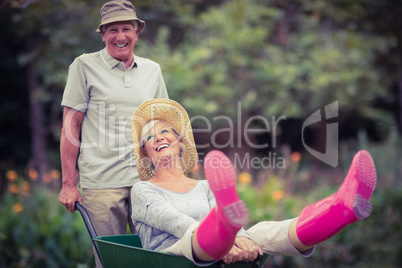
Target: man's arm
[{"x": 69, "y": 149}]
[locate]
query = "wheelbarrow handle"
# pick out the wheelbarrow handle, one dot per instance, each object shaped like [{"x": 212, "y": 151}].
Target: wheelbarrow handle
[{"x": 88, "y": 224}]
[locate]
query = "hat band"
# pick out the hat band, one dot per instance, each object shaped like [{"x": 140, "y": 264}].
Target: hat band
[{"x": 117, "y": 14}]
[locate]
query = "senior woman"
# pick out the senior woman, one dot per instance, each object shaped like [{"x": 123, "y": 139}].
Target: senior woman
[{"x": 203, "y": 220}]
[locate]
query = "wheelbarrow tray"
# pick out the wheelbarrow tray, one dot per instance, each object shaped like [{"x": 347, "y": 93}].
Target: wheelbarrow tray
[{"x": 126, "y": 251}]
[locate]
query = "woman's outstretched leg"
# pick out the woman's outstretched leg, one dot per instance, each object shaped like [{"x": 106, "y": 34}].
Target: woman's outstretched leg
[
  {"x": 216, "y": 233},
  {"x": 322, "y": 220}
]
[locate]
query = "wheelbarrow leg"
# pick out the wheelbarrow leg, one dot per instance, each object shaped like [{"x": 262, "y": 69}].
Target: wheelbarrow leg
[{"x": 88, "y": 224}]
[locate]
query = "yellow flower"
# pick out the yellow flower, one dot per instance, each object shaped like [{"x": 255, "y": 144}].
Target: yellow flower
[
  {"x": 11, "y": 175},
  {"x": 278, "y": 195},
  {"x": 33, "y": 174},
  {"x": 14, "y": 189},
  {"x": 17, "y": 208},
  {"x": 295, "y": 157},
  {"x": 245, "y": 178},
  {"x": 55, "y": 174}
]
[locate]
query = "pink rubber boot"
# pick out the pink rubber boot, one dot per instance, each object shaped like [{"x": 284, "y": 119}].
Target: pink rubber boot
[
  {"x": 217, "y": 232},
  {"x": 322, "y": 220}
]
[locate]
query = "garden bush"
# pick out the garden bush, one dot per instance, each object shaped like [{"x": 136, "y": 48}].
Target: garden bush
[{"x": 37, "y": 231}]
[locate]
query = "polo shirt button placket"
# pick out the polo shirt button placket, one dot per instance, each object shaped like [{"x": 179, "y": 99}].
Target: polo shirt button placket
[{"x": 127, "y": 81}]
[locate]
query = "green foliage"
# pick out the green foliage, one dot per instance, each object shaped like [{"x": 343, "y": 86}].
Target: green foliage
[
  {"x": 234, "y": 54},
  {"x": 269, "y": 202},
  {"x": 55, "y": 34},
  {"x": 37, "y": 231}
]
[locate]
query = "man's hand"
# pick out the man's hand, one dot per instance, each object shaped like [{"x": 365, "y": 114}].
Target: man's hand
[
  {"x": 68, "y": 195},
  {"x": 244, "y": 249}
]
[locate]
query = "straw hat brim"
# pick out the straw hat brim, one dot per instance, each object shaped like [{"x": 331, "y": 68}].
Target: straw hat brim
[{"x": 175, "y": 115}]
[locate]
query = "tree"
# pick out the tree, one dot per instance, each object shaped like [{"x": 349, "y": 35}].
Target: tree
[
  {"x": 380, "y": 19},
  {"x": 52, "y": 33},
  {"x": 276, "y": 58}
]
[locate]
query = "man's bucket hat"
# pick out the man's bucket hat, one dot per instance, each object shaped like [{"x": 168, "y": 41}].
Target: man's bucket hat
[{"x": 119, "y": 10}]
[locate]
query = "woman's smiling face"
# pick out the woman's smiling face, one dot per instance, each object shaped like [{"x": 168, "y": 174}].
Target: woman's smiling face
[{"x": 161, "y": 142}]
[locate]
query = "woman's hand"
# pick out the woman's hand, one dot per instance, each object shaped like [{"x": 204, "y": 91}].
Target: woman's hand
[
  {"x": 235, "y": 254},
  {"x": 249, "y": 248},
  {"x": 244, "y": 249}
]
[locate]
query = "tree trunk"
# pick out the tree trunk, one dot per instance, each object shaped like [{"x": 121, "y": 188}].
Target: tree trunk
[
  {"x": 399, "y": 95},
  {"x": 37, "y": 116}
]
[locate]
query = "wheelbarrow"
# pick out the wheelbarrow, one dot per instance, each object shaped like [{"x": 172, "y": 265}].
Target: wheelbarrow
[{"x": 126, "y": 251}]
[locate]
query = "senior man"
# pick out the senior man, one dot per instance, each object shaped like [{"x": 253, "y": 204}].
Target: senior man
[{"x": 103, "y": 90}]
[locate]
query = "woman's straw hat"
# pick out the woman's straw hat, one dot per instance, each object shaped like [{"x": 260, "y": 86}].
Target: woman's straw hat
[{"x": 175, "y": 115}]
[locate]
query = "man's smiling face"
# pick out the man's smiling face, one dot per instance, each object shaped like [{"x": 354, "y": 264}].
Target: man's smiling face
[{"x": 120, "y": 38}]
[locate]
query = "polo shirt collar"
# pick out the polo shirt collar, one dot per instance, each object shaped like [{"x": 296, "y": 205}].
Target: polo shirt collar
[{"x": 112, "y": 62}]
